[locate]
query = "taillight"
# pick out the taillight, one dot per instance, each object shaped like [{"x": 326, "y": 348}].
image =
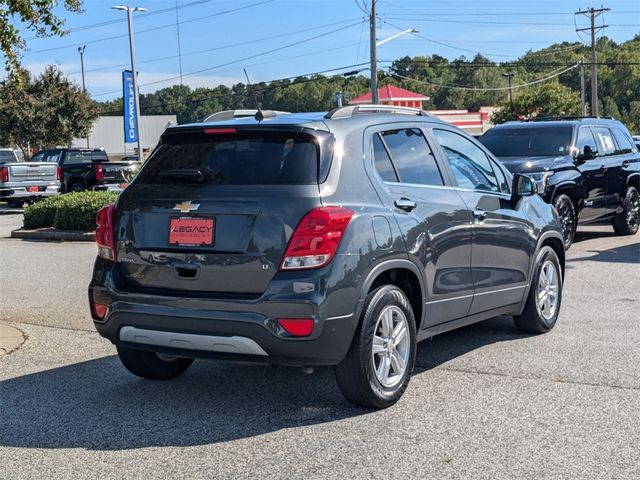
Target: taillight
[
  {"x": 59, "y": 173},
  {"x": 4, "y": 174},
  {"x": 105, "y": 237},
  {"x": 316, "y": 238},
  {"x": 99, "y": 173},
  {"x": 99, "y": 310},
  {"x": 297, "y": 327}
]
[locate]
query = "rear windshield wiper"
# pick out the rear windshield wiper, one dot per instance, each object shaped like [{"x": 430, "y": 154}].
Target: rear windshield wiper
[{"x": 190, "y": 174}]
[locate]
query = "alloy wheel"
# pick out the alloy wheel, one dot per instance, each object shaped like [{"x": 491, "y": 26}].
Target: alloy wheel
[
  {"x": 391, "y": 346},
  {"x": 548, "y": 289},
  {"x": 632, "y": 207}
]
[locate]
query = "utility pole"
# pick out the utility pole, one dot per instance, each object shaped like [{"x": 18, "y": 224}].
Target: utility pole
[
  {"x": 179, "y": 47},
  {"x": 593, "y": 13},
  {"x": 374, "y": 60},
  {"x": 583, "y": 91},
  {"x": 510, "y": 76},
  {"x": 84, "y": 86}
]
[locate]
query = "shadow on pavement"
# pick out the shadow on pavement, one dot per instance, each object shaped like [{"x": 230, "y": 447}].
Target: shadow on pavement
[
  {"x": 624, "y": 254},
  {"x": 97, "y": 405}
]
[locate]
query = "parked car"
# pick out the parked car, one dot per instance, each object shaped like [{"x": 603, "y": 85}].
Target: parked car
[
  {"x": 22, "y": 182},
  {"x": 588, "y": 168},
  {"x": 88, "y": 169},
  {"x": 311, "y": 239}
]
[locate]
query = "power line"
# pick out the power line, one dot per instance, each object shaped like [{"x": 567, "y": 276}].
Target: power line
[
  {"x": 489, "y": 89},
  {"x": 159, "y": 27},
  {"x": 219, "y": 47},
  {"x": 481, "y": 22},
  {"x": 197, "y": 72}
]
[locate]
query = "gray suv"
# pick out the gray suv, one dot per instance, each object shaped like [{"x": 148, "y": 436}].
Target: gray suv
[{"x": 320, "y": 239}]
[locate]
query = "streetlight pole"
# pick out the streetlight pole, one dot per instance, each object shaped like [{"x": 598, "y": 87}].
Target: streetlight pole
[
  {"x": 134, "y": 76},
  {"x": 84, "y": 86},
  {"x": 510, "y": 76},
  {"x": 81, "y": 52}
]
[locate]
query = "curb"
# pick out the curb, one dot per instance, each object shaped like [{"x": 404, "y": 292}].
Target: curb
[
  {"x": 10, "y": 339},
  {"x": 54, "y": 235}
]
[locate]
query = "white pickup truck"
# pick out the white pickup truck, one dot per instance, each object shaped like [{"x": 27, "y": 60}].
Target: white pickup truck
[{"x": 26, "y": 181}]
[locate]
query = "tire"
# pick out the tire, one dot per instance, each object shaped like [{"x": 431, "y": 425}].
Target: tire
[
  {"x": 537, "y": 318},
  {"x": 567, "y": 213},
  {"x": 76, "y": 187},
  {"x": 151, "y": 365},
  {"x": 356, "y": 374},
  {"x": 628, "y": 221}
]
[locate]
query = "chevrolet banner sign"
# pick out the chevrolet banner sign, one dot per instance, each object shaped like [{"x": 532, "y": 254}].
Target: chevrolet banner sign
[{"x": 129, "y": 105}]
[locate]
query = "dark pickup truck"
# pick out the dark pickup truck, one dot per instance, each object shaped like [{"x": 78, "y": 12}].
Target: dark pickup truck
[
  {"x": 587, "y": 167},
  {"x": 88, "y": 169}
]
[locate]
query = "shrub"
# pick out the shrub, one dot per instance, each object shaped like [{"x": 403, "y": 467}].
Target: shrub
[{"x": 72, "y": 211}]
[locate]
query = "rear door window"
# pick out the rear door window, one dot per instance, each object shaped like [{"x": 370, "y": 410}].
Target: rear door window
[
  {"x": 412, "y": 157},
  {"x": 605, "y": 140},
  {"x": 267, "y": 157}
]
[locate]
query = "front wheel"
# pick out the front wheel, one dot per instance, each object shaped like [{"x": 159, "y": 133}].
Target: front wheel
[
  {"x": 376, "y": 371},
  {"x": 152, "y": 365},
  {"x": 628, "y": 221},
  {"x": 545, "y": 295},
  {"x": 567, "y": 213}
]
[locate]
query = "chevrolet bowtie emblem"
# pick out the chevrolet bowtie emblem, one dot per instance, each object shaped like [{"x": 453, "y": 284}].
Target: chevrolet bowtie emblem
[{"x": 186, "y": 207}]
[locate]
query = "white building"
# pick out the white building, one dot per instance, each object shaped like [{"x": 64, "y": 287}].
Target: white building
[{"x": 108, "y": 133}]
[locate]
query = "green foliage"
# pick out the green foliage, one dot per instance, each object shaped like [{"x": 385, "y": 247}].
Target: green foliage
[
  {"x": 72, "y": 211},
  {"x": 44, "y": 111},
  {"x": 35, "y": 15},
  {"x": 544, "y": 99}
]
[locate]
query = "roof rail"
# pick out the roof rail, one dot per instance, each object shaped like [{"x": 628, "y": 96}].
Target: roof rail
[
  {"x": 566, "y": 117},
  {"x": 351, "y": 110},
  {"x": 231, "y": 114}
]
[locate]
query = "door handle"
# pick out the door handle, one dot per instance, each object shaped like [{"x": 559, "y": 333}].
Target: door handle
[
  {"x": 405, "y": 204},
  {"x": 626, "y": 163},
  {"x": 479, "y": 213}
]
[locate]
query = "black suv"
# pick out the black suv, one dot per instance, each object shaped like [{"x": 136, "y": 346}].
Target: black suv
[
  {"x": 588, "y": 168},
  {"x": 320, "y": 239}
]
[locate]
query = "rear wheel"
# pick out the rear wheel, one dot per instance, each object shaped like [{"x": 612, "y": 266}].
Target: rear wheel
[
  {"x": 628, "y": 221},
  {"x": 545, "y": 295},
  {"x": 152, "y": 365},
  {"x": 76, "y": 187},
  {"x": 567, "y": 213},
  {"x": 378, "y": 366}
]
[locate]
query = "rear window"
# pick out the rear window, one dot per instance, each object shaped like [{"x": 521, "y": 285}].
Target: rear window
[
  {"x": 241, "y": 158},
  {"x": 8, "y": 156},
  {"x": 528, "y": 141}
]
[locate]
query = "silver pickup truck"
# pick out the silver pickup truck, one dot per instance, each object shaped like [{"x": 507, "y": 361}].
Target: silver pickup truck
[{"x": 26, "y": 181}]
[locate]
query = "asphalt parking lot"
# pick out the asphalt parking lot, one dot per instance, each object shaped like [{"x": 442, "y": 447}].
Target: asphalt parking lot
[{"x": 484, "y": 402}]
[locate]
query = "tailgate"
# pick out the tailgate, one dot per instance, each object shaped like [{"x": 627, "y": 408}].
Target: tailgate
[
  {"x": 33, "y": 173},
  {"x": 119, "y": 172}
]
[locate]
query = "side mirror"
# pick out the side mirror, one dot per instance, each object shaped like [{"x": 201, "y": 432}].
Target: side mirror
[
  {"x": 587, "y": 154},
  {"x": 523, "y": 186}
]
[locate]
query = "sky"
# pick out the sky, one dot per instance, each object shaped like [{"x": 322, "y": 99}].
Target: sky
[{"x": 275, "y": 39}]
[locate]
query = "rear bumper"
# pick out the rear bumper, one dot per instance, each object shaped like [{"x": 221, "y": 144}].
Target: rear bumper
[
  {"x": 220, "y": 328},
  {"x": 17, "y": 192},
  {"x": 109, "y": 187}
]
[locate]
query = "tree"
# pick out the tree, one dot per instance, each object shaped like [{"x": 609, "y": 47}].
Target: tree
[
  {"x": 35, "y": 15},
  {"x": 46, "y": 111},
  {"x": 544, "y": 99}
]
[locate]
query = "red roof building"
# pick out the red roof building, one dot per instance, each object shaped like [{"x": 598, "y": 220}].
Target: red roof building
[{"x": 390, "y": 95}]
